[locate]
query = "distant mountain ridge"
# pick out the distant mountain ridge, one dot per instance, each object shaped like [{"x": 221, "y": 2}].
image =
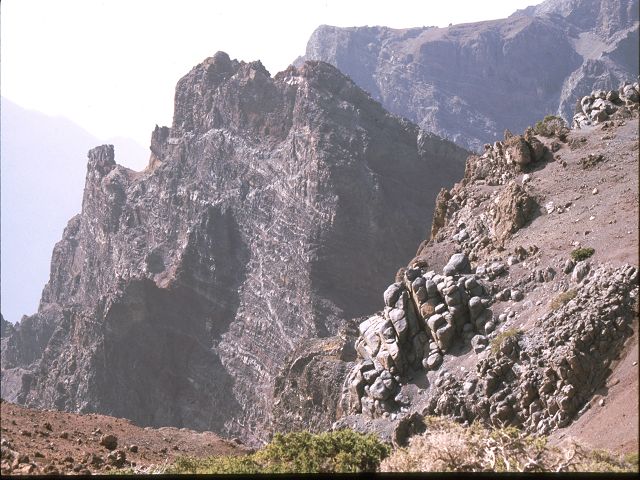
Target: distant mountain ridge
[
  {"x": 42, "y": 176},
  {"x": 470, "y": 82}
]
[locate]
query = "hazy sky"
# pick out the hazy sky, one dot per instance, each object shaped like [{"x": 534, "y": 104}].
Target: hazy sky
[{"x": 111, "y": 65}]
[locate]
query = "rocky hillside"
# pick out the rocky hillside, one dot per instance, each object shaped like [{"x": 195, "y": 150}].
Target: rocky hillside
[
  {"x": 519, "y": 310},
  {"x": 469, "y": 82},
  {"x": 46, "y": 442},
  {"x": 272, "y": 211}
]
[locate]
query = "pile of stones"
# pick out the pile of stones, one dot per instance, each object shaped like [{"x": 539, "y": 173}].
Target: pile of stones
[
  {"x": 542, "y": 379},
  {"x": 424, "y": 314},
  {"x": 501, "y": 161},
  {"x": 601, "y": 105}
]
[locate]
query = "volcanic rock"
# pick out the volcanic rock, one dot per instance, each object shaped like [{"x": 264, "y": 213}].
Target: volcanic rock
[{"x": 271, "y": 211}]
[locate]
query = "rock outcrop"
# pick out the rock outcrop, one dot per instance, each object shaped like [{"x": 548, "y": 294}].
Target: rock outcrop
[
  {"x": 601, "y": 105},
  {"x": 543, "y": 379},
  {"x": 469, "y": 82},
  {"x": 486, "y": 326},
  {"x": 271, "y": 211}
]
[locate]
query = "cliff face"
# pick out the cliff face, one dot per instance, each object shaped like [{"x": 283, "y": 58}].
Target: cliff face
[
  {"x": 271, "y": 211},
  {"x": 470, "y": 82}
]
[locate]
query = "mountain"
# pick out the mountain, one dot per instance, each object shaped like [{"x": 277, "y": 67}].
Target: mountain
[
  {"x": 42, "y": 176},
  {"x": 470, "y": 82},
  {"x": 272, "y": 211},
  {"x": 520, "y": 309}
]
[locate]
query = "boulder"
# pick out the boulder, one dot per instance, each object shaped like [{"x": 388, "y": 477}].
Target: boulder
[
  {"x": 433, "y": 361},
  {"x": 435, "y": 322},
  {"x": 580, "y": 271},
  {"x": 379, "y": 391},
  {"x": 517, "y": 151},
  {"x": 457, "y": 264},
  {"x": 412, "y": 273},
  {"x": 399, "y": 320},
  {"x": 514, "y": 209},
  {"x": 445, "y": 336},
  {"x": 475, "y": 307},
  {"x": 537, "y": 148},
  {"x": 391, "y": 294},
  {"x": 109, "y": 441},
  {"x": 385, "y": 360},
  {"x": 479, "y": 343},
  {"x": 432, "y": 289}
]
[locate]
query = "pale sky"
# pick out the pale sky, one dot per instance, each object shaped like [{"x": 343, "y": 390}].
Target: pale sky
[{"x": 111, "y": 65}]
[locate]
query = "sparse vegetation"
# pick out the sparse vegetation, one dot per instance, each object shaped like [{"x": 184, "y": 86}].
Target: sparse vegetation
[
  {"x": 591, "y": 160},
  {"x": 499, "y": 339},
  {"x": 632, "y": 459},
  {"x": 342, "y": 451},
  {"x": 551, "y": 126},
  {"x": 582, "y": 253},
  {"x": 449, "y": 447},
  {"x": 563, "y": 299},
  {"x": 575, "y": 143}
]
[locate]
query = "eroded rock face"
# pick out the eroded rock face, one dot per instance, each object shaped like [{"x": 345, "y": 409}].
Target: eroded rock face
[
  {"x": 260, "y": 222},
  {"x": 541, "y": 59},
  {"x": 308, "y": 389},
  {"x": 514, "y": 208}
]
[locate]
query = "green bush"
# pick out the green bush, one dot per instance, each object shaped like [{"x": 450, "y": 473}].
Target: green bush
[
  {"x": 227, "y": 464},
  {"x": 342, "y": 451},
  {"x": 582, "y": 253},
  {"x": 551, "y": 126}
]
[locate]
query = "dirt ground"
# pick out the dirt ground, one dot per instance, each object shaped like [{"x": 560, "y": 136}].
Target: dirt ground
[
  {"x": 52, "y": 442},
  {"x": 608, "y": 222}
]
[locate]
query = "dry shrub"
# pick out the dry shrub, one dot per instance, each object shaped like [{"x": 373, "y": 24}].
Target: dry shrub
[
  {"x": 563, "y": 299},
  {"x": 552, "y": 126},
  {"x": 450, "y": 447},
  {"x": 502, "y": 337}
]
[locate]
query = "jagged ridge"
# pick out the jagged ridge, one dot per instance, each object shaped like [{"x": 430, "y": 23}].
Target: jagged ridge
[{"x": 260, "y": 221}]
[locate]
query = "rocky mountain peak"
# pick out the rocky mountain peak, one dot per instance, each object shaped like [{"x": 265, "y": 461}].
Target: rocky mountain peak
[
  {"x": 177, "y": 293},
  {"x": 101, "y": 160}
]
